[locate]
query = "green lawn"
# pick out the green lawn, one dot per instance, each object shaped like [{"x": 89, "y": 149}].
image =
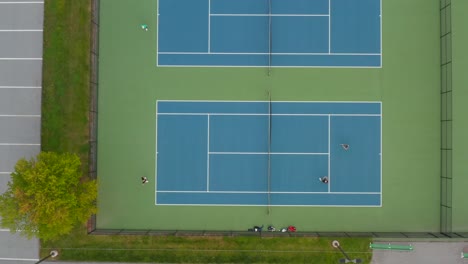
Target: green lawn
[
  {"x": 65, "y": 97},
  {"x": 65, "y": 128},
  {"x": 174, "y": 249}
]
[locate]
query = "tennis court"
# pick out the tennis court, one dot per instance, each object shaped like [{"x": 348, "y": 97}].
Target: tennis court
[
  {"x": 219, "y": 156},
  {"x": 276, "y": 33},
  {"x": 268, "y": 153}
]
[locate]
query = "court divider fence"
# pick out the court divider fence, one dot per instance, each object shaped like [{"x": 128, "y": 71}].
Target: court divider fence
[
  {"x": 446, "y": 149},
  {"x": 446, "y": 116}
]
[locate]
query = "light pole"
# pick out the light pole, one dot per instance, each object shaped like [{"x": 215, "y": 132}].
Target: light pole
[
  {"x": 52, "y": 254},
  {"x": 347, "y": 259}
]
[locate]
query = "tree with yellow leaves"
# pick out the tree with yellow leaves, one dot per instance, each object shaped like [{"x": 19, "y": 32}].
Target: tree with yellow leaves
[{"x": 47, "y": 196}]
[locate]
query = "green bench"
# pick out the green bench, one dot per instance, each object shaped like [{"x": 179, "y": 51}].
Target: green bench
[{"x": 391, "y": 246}]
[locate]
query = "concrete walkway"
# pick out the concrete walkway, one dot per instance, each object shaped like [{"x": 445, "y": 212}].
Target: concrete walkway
[{"x": 423, "y": 253}]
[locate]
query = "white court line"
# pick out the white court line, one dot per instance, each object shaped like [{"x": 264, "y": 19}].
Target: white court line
[
  {"x": 209, "y": 26},
  {"x": 329, "y": 153},
  {"x": 360, "y": 102},
  {"x": 5, "y": 172},
  {"x": 232, "y": 101},
  {"x": 157, "y": 33},
  {"x": 381, "y": 153},
  {"x": 267, "y": 153},
  {"x": 329, "y": 26},
  {"x": 263, "y": 66},
  {"x": 19, "y": 144},
  {"x": 274, "y": 53},
  {"x": 157, "y": 156},
  {"x": 20, "y": 87},
  {"x": 4, "y": 230},
  {"x": 273, "y": 15},
  {"x": 21, "y": 30},
  {"x": 254, "y": 192},
  {"x": 273, "y": 205},
  {"x": 291, "y": 66},
  {"x": 208, "y": 158},
  {"x": 253, "y": 114},
  {"x": 1, "y": 115},
  {"x": 381, "y": 36}
]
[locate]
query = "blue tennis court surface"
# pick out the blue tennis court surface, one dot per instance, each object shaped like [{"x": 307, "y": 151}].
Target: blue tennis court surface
[
  {"x": 258, "y": 154},
  {"x": 260, "y": 33}
]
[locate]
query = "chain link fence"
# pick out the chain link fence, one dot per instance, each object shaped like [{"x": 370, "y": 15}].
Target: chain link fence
[
  {"x": 446, "y": 116},
  {"x": 446, "y": 89},
  {"x": 375, "y": 235},
  {"x": 93, "y": 109}
]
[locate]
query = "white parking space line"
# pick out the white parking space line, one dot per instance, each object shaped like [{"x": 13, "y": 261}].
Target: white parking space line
[
  {"x": 18, "y": 259},
  {"x": 5, "y": 115},
  {"x": 20, "y": 87},
  {"x": 29, "y": 2},
  {"x": 20, "y": 144},
  {"x": 38, "y": 58},
  {"x": 21, "y": 30}
]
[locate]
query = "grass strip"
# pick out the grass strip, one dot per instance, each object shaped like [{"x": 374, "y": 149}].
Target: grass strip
[
  {"x": 65, "y": 94},
  {"x": 198, "y": 249}
]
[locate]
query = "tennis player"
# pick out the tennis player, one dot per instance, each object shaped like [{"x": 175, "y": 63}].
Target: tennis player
[
  {"x": 324, "y": 179},
  {"x": 345, "y": 146}
]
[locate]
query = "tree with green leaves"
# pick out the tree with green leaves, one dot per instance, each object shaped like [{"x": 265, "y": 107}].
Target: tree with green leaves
[{"x": 47, "y": 196}]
